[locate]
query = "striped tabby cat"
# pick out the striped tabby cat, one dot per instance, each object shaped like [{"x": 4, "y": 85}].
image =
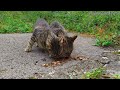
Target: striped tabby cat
[{"x": 52, "y": 38}]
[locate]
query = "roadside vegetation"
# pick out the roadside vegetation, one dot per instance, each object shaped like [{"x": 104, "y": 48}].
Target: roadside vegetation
[
  {"x": 105, "y": 25},
  {"x": 99, "y": 73}
]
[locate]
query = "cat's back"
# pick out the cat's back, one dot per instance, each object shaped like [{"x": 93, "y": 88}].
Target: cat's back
[
  {"x": 41, "y": 23},
  {"x": 41, "y": 28},
  {"x": 57, "y": 28}
]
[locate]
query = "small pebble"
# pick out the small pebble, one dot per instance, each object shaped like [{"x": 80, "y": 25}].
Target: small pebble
[
  {"x": 118, "y": 51},
  {"x": 11, "y": 68},
  {"x": 74, "y": 73},
  {"x": 104, "y": 58},
  {"x": 43, "y": 59},
  {"x": 119, "y": 62}
]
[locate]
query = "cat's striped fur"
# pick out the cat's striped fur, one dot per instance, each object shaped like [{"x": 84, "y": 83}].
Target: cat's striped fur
[
  {"x": 52, "y": 38},
  {"x": 66, "y": 42}
]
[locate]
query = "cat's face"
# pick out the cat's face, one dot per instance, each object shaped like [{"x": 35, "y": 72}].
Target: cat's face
[
  {"x": 61, "y": 47},
  {"x": 67, "y": 46},
  {"x": 54, "y": 48}
]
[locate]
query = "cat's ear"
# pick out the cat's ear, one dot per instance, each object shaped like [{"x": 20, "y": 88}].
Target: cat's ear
[{"x": 72, "y": 38}]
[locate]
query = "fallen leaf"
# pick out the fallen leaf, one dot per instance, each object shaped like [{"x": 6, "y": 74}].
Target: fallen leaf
[
  {"x": 79, "y": 58},
  {"x": 45, "y": 65}
]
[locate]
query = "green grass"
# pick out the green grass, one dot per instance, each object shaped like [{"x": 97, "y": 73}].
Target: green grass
[
  {"x": 80, "y": 21},
  {"x": 94, "y": 74},
  {"x": 116, "y": 76},
  {"x": 99, "y": 73},
  {"x": 92, "y": 22}
]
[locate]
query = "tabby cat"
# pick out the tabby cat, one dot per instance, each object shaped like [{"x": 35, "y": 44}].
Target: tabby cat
[{"x": 52, "y": 38}]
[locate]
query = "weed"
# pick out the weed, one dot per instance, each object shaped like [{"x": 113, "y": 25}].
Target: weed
[
  {"x": 95, "y": 74},
  {"x": 116, "y": 76},
  {"x": 103, "y": 41},
  {"x": 32, "y": 77}
]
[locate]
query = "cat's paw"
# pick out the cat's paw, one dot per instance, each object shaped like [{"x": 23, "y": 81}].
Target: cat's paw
[
  {"x": 36, "y": 45},
  {"x": 27, "y": 49}
]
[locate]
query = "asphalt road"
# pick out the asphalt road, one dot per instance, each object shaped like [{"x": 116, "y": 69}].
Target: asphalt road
[{"x": 15, "y": 63}]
